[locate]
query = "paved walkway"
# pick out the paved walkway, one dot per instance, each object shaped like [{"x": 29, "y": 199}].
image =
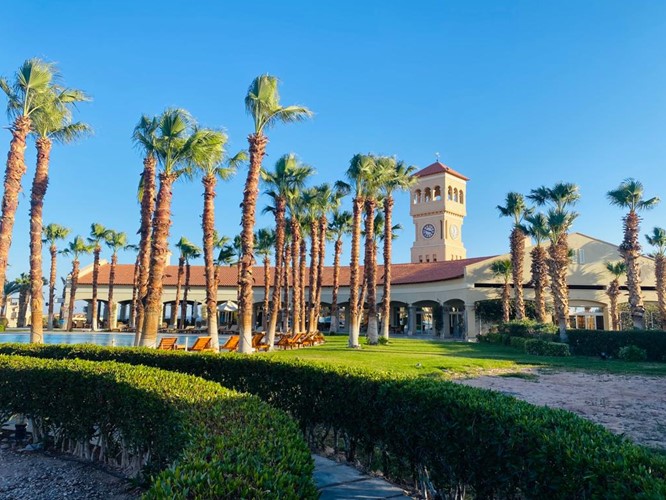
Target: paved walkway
[{"x": 336, "y": 481}]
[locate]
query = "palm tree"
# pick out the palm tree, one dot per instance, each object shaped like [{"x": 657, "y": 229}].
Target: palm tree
[
  {"x": 283, "y": 184},
  {"x": 502, "y": 269},
  {"x": 262, "y": 102},
  {"x": 144, "y": 138},
  {"x": 265, "y": 239},
  {"x": 396, "y": 176},
  {"x": 191, "y": 252},
  {"x": 515, "y": 208},
  {"x": 31, "y": 88},
  {"x": 617, "y": 269},
  {"x": 537, "y": 229},
  {"x": 340, "y": 226},
  {"x": 658, "y": 240},
  {"x": 313, "y": 206},
  {"x": 181, "y": 245},
  {"x": 560, "y": 197},
  {"x": 10, "y": 288},
  {"x": 629, "y": 195},
  {"x": 294, "y": 204},
  {"x": 53, "y": 233},
  {"x": 51, "y": 122},
  {"x": 115, "y": 241},
  {"x": 98, "y": 233},
  {"x": 76, "y": 248},
  {"x": 179, "y": 145}
]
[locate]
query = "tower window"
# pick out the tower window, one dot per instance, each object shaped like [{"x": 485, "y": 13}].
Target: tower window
[
  {"x": 427, "y": 195},
  {"x": 437, "y": 194},
  {"x": 420, "y": 258},
  {"x": 427, "y": 258},
  {"x": 455, "y": 194},
  {"x": 434, "y": 258},
  {"x": 417, "y": 196},
  {"x": 462, "y": 199},
  {"x": 450, "y": 193}
]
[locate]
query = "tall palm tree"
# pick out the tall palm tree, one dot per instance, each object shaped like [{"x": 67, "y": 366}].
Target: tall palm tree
[
  {"x": 617, "y": 269},
  {"x": 53, "y": 233},
  {"x": 502, "y": 269},
  {"x": 51, "y": 122},
  {"x": 265, "y": 239},
  {"x": 396, "y": 176},
  {"x": 75, "y": 249},
  {"x": 115, "y": 241},
  {"x": 313, "y": 206},
  {"x": 24, "y": 288},
  {"x": 98, "y": 233},
  {"x": 560, "y": 198},
  {"x": 658, "y": 239},
  {"x": 340, "y": 226},
  {"x": 515, "y": 207},
  {"x": 262, "y": 102},
  {"x": 629, "y": 195},
  {"x": 294, "y": 204},
  {"x": 191, "y": 252},
  {"x": 182, "y": 246},
  {"x": 537, "y": 228},
  {"x": 144, "y": 138},
  {"x": 26, "y": 94},
  {"x": 179, "y": 146},
  {"x": 282, "y": 184}
]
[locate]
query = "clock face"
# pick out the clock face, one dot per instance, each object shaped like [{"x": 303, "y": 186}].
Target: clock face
[
  {"x": 453, "y": 231},
  {"x": 428, "y": 231}
]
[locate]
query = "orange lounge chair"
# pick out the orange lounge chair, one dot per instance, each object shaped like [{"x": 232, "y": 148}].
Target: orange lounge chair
[
  {"x": 167, "y": 344},
  {"x": 256, "y": 342},
  {"x": 202, "y": 344},
  {"x": 232, "y": 343}
]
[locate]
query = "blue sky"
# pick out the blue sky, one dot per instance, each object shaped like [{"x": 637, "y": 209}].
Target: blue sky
[{"x": 512, "y": 94}]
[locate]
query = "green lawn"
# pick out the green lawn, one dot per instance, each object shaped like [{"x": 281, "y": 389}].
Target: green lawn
[{"x": 430, "y": 358}]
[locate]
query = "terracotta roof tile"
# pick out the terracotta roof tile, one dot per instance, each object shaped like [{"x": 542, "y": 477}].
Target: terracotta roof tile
[{"x": 438, "y": 168}]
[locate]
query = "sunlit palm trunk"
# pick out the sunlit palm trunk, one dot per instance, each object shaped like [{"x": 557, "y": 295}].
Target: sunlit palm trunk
[
  {"x": 613, "y": 292},
  {"x": 72, "y": 294},
  {"x": 135, "y": 299},
  {"x": 312, "y": 285},
  {"x": 506, "y": 300},
  {"x": 257, "y": 144},
  {"x": 517, "y": 257},
  {"x": 113, "y": 313},
  {"x": 336, "y": 286},
  {"x": 630, "y": 250},
  {"x": 323, "y": 227},
  {"x": 558, "y": 264},
  {"x": 660, "y": 274},
  {"x": 354, "y": 313},
  {"x": 208, "y": 226},
  {"x": 175, "y": 323},
  {"x": 280, "y": 210},
  {"x": 143, "y": 258},
  {"x": 16, "y": 168},
  {"x": 371, "y": 271},
  {"x": 95, "y": 283},
  {"x": 301, "y": 287},
  {"x": 39, "y": 185},
  {"x": 267, "y": 291},
  {"x": 52, "y": 282},
  {"x": 183, "y": 308},
  {"x": 295, "y": 276},
  {"x": 285, "y": 282},
  {"x": 158, "y": 255},
  {"x": 24, "y": 298},
  {"x": 539, "y": 270},
  {"x": 386, "y": 299}
]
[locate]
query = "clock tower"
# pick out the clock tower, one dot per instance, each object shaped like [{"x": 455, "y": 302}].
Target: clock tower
[{"x": 438, "y": 208}]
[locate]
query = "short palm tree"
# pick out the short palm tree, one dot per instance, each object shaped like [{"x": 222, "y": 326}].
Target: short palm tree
[
  {"x": 182, "y": 245},
  {"x": 75, "y": 249},
  {"x": 262, "y": 102},
  {"x": 10, "y": 288},
  {"x": 23, "y": 283},
  {"x": 537, "y": 228},
  {"x": 265, "y": 246},
  {"x": 191, "y": 252},
  {"x": 502, "y": 269},
  {"x": 340, "y": 226},
  {"x": 515, "y": 208},
  {"x": 658, "y": 240},
  {"x": 98, "y": 234},
  {"x": 116, "y": 241},
  {"x": 52, "y": 234},
  {"x": 629, "y": 195},
  {"x": 617, "y": 269}
]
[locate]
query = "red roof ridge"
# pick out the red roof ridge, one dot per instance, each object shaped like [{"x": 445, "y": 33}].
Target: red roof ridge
[{"x": 437, "y": 168}]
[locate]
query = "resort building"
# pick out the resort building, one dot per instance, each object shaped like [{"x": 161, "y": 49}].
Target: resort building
[{"x": 436, "y": 293}]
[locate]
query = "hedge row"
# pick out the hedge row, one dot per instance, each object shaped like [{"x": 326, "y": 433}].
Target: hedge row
[
  {"x": 545, "y": 348},
  {"x": 191, "y": 437},
  {"x": 595, "y": 342}
]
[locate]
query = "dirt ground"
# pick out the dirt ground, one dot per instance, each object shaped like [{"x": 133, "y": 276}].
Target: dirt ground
[{"x": 625, "y": 404}]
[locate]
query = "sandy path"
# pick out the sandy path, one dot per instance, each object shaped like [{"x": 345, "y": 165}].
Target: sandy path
[{"x": 625, "y": 404}]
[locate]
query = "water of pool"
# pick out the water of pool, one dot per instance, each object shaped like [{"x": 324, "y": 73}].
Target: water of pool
[{"x": 98, "y": 338}]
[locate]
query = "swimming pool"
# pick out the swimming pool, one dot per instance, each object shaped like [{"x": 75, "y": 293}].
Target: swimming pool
[{"x": 98, "y": 338}]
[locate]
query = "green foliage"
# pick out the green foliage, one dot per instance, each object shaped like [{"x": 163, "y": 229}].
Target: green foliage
[
  {"x": 518, "y": 342},
  {"x": 632, "y": 353},
  {"x": 595, "y": 342},
  {"x": 198, "y": 439},
  {"x": 491, "y": 338},
  {"x": 528, "y": 328},
  {"x": 544, "y": 348},
  {"x": 493, "y": 445},
  {"x": 490, "y": 310},
  {"x": 383, "y": 341}
]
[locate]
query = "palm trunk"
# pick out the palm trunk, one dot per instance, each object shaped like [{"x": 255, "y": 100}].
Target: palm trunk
[
  {"x": 517, "y": 242},
  {"x": 52, "y": 283},
  {"x": 336, "y": 286},
  {"x": 506, "y": 300},
  {"x": 267, "y": 290},
  {"x": 72, "y": 294},
  {"x": 280, "y": 209},
  {"x": 183, "y": 306},
  {"x": 371, "y": 271},
  {"x": 175, "y": 323},
  {"x": 386, "y": 299},
  {"x": 285, "y": 282},
  {"x": 312, "y": 286},
  {"x": 23, "y": 307},
  {"x": 95, "y": 278},
  {"x": 113, "y": 314},
  {"x": 660, "y": 274},
  {"x": 613, "y": 292},
  {"x": 558, "y": 264},
  {"x": 301, "y": 286},
  {"x": 354, "y": 315},
  {"x": 295, "y": 277},
  {"x": 39, "y": 185},
  {"x": 134, "y": 306},
  {"x": 323, "y": 226},
  {"x": 158, "y": 255},
  {"x": 13, "y": 175},
  {"x": 630, "y": 250},
  {"x": 143, "y": 257},
  {"x": 257, "y": 144},
  {"x": 539, "y": 270},
  {"x": 208, "y": 226}
]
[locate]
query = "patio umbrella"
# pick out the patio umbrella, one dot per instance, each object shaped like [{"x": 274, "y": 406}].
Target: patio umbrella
[{"x": 228, "y": 306}]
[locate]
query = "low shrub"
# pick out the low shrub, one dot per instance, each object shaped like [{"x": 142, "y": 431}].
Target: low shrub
[
  {"x": 191, "y": 437},
  {"x": 518, "y": 342},
  {"x": 545, "y": 348},
  {"x": 457, "y": 438},
  {"x": 527, "y": 328},
  {"x": 594, "y": 342},
  {"x": 491, "y": 338},
  {"x": 632, "y": 353}
]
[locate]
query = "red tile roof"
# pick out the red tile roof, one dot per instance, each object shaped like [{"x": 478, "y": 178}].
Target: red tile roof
[
  {"x": 438, "y": 168},
  {"x": 403, "y": 274}
]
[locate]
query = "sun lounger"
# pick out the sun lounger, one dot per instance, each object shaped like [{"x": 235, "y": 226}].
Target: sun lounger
[
  {"x": 231, "y": 344},
  {"x": 202, "y": 344},
  {"x": 167, "y": 344},
  {"x": 256, "y": 342}
]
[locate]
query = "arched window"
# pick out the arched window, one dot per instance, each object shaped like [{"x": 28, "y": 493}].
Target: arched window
[
  {"x": 462, "y": 199},
  {"x": 455, "y": 194},
  {"x": 450, "y": 193},
  {"x": 417, "y": 196},
  {"x": 427, "y": 196},
  {"x": 437, "y": 194}
]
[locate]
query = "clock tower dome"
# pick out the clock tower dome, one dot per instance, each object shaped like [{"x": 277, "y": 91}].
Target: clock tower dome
[{"x": 437, "y": 207}]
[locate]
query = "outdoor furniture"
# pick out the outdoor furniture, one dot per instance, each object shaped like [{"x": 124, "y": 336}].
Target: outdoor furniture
[
  {"x": 167, "y": 344},
  {"x": 231, "y": 344},
  {"x": 202, "y": 344},
  {"x": 256, "y": 342}
]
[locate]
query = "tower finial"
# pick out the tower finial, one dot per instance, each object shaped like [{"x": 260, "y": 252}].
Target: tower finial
[{"x": 437, "y": 156}]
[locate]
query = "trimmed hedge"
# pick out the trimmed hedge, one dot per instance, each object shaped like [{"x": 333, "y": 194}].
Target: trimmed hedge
[
  {"x": 528, "y": 328},
  {"x": 518, "y": 342},
  {"x": 544, "y": 348},
  {"x": 457, "y": 438},
  {"x": 195, "y": 438},
  {"x": 632, "y": 353},
  {"x": 594, "y": 342}
]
